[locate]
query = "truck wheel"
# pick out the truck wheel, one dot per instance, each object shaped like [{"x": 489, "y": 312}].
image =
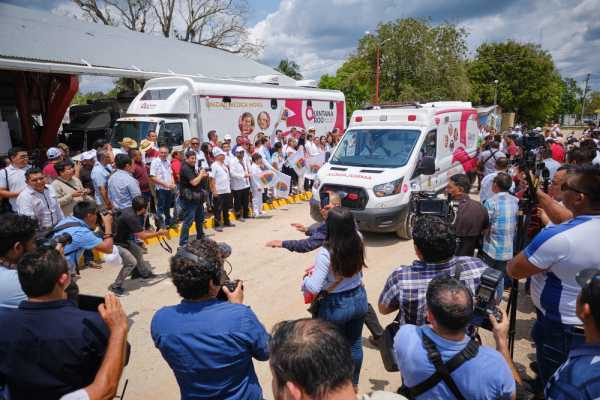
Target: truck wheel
[
  {"x": 315, "y": 213},
  {"x": 405, "y": 230}
]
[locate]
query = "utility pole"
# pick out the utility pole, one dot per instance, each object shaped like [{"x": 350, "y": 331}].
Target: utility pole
[
  {"x": 585, "y": 89},
  {"x": 377, "y": 73}
]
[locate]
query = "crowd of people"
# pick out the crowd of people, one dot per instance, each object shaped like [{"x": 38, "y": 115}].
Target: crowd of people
[{"x": 55, "y": 350}]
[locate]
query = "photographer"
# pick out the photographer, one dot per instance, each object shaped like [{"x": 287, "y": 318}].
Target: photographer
[
  {"x": 208, "y": 343},
  {"x": 17, "y": 237},
  {"x": 52, "y": 348},
  {"x": 579, "y": 376},
  {"x": 192, "y": 197},
  {"x": 487, "y": 182},
  {"x": 106, "y": 382},
  {"x": 471, "y": 217},
  {"x": 81, "y": 227},
  {"x": 434, "y": 241},
  {"x": 129, "y": 229},
  {"x": 487, "y": 158},
  {"x": 552, "y": 259},
  {"x": 551, "y": 206},
  {"x": 484, "y": 373}
]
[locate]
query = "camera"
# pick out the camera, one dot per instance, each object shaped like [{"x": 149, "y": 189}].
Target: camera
[
  {"x": 45, "y": 240},
  {"x": 532, "y": 140},
  {"x": 427, "y": 203},
  {"x": 231, "y": 285},
  {"x": 485, "y": 299}
]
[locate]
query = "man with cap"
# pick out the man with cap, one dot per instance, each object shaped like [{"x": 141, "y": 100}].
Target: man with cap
[
  {"x": 221, "y": 189},
  {"x": 54, "y": 155},
  {"x": 579, "y": 376},
  {"x": 126, "y": 144},
  {"x": 227, "y": 139},
  {"x": 86, "y": 164}
]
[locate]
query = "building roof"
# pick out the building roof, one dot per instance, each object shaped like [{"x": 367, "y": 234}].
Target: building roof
[{"x": 40, "y": 41}]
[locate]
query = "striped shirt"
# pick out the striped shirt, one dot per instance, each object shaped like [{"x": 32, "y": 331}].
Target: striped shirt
[
  {"x": 502, "y": 209},
  {"x": 406, "y": 287},
  {"x": 562, "y": 251}
]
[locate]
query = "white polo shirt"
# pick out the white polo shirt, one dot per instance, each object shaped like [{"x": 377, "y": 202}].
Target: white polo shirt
[
  {"x": 16, "y": 181},
  {"x": 41, "y": 206},
  {"x": 562, "y": 251},
  {"x": 220, "y": 174},
  {"x": 161, "y": 170}
]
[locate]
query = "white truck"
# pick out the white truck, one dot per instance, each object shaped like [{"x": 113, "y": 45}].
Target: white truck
[
  {"x": 180, "y": 108},
  {"x": 389, "y": 152}
]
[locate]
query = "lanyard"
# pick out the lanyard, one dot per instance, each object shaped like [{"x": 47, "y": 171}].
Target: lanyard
[{"x": 48, "y": 207}]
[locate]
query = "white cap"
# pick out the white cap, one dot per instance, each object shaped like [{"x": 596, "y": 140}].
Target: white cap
[
  {"x": 53, "y": 153},
  {"x": 88, "y": 155},
  {"x": 217, "y": 152},
  {"x": 228, "y": 137}
]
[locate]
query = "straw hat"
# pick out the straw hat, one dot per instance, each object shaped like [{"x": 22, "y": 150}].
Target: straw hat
[{"x": 128, "y": 142}]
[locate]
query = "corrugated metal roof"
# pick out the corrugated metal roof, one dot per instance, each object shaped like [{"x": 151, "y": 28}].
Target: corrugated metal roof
[{"x": 30, "y": 37}]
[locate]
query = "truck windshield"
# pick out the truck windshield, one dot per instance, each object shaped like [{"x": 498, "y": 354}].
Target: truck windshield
[
  {"x": 137, "y": 130},
  {"x": 379, "y": 148}
]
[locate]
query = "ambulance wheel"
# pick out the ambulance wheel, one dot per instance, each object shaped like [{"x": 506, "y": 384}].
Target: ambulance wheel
[{"x": 405, "y": 230}]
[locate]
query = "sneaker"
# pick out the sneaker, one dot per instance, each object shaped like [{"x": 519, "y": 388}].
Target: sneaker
[
  {"x": 118, "y": 290},
  {"x": 150, "y": 276}
]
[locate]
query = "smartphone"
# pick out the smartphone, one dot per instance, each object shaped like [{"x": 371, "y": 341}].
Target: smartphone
[
  {"x": 88, "y": 302},
  {"x": 324, "y": 196}
]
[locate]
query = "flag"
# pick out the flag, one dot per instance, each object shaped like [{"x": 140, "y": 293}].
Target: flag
[
  {"x": 297, "y": 162},
  {"x": 282, "y": 185},
  {"x": 313, "y": 164},
  {"x": 265, "y": 179}
]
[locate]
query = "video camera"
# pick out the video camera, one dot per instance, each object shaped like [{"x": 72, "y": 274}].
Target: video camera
[
  {"x": 485, "y": 299},
  {"x": 45, "y": 239},
  {"x": 428, "y": 203}
]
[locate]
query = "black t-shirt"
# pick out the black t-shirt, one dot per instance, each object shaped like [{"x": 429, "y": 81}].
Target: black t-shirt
[
  {"x": 186, "y": 175},
  {"x": 128, "y": 223}
]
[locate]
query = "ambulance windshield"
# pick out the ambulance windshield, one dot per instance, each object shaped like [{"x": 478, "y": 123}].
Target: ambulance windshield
[{"x": 379, "y": 148}]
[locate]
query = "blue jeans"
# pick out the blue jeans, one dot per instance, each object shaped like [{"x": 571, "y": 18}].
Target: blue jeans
[
  {"x": 192, "y": 212},
  {"x": 553, "y": 341},
  {"x": 163, "y": 208},
  {"x": 347, "y": 310}
]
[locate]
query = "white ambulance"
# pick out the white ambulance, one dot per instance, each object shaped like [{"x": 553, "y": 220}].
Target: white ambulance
[
  {"x": 389, "y": 152},
  {"x": 180, "y": 108}
]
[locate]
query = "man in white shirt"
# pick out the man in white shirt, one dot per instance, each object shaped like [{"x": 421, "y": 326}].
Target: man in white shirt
[
  {"x": 12, "y": 178},
  {"x": 312, "y": 149},
  {"x": 200, "y": 158},
  {"x": 221, "y": 190},
  {"x": 240, "y": 184},
  {"x": 487, "y": 182},
  {"x": 36, "y": 200},
  {"x": 229, "y": 157},
  {"x": 161, "y": 175}
]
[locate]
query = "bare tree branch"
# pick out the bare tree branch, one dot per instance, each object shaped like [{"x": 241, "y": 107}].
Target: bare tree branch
[
  {"x": 163, "y": 11},
  {"x": 134, "y": 13},
  {"x": 96, "y": 12}
]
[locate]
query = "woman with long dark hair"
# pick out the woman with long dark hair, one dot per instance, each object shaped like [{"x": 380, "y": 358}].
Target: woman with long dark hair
[{"x": 338, "y": 272}]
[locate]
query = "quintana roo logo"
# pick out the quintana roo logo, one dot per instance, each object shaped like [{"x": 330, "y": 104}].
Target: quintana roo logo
[
  {"x": 281, "y": 186},
  {"x": 300, "y": 163},
  {"x": 267, "y": 178},
  {"x": 309, "y": 113}
]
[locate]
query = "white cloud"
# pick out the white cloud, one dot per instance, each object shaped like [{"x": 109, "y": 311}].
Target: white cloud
[{"x": 320, "y": 34}]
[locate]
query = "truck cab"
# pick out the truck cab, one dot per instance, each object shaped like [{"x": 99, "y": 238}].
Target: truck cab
[
  {"x": 389, "y": 152},
  {"x": 171, "y": 131}
]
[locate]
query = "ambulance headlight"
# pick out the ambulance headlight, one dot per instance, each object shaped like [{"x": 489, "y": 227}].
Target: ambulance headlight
[{"x": 388, "y": 189}]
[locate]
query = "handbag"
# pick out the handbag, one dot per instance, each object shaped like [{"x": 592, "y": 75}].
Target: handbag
[
  {"x": 315, "y": 304},
  {"x": 189, "y": 195},
  {"x": 387, "y": 345}
]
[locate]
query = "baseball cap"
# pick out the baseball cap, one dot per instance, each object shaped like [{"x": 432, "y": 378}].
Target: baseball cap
[
  {"x": 88, "y": 155},
  {"x": 239, "y": 149},
  {"x": 53, "y": 153},
  {"x": 217, "y": 152},
  {"x": 585, "y": 277},
  {"x": 228, "y": 137}
]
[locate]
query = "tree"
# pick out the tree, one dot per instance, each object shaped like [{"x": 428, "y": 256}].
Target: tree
[
  {"x": 289, "y": 68},
  {"x": 528, "y": 82},
  {"x": 570, "y": 95},
  {"x": 419, "y": 62},
  {"x": 592, "y": 103},
  {"x": 216, "y": 23}
]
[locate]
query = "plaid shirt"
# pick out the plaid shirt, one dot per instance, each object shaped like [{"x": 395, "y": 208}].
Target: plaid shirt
[
  {"x": 406, "y": 287},
  {"x": 502, "y": 209}
]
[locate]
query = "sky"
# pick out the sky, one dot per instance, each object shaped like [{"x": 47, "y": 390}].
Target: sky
[{"x": 320, "y": 34}]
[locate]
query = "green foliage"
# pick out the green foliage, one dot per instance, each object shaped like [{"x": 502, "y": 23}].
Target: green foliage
[
  {"x": 83, "y": 98},
  {"x": 419, "y": 62},
  {"x": 592, "y": 103},
  {"x": 528, "y": 82},
  {"x": 289, "y": 68},
  {"x": 570, "y": 98}
]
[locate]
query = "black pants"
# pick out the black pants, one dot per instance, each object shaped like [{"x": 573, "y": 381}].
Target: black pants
[
  {"x": 241, "y": 200},
  {"x": 221, "y": 206},
  {"x": 308, "y": 184}
]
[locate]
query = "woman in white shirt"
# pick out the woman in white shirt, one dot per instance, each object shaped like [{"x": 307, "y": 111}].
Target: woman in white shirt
[
  {"x": 337, "y": 275},
  {"x": 256, "y": 184}
]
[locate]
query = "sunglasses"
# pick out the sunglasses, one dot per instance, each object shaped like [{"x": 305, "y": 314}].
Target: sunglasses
[
  {"x": 195, "y": 144},
  {"x": 565, "y": 187}
]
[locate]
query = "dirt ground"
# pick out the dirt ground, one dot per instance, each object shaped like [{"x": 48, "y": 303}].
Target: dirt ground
[{"x": 272, "y": 288}]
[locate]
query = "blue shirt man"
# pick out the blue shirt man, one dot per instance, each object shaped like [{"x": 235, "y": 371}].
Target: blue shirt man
[
  {"x": 122, "y": 188},
  {"x": 99, "y": 175},
  {"x": 209, "y": 343},
  {"x": 11, "y": 294},
  {"x": 223, "y": 337},
  {"x": 83, "y": 238}
]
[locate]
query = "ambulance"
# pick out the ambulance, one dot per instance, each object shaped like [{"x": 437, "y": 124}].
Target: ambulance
[
  {"x": 388, "y": 152},
  {"x": 181, "y": 108}
]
